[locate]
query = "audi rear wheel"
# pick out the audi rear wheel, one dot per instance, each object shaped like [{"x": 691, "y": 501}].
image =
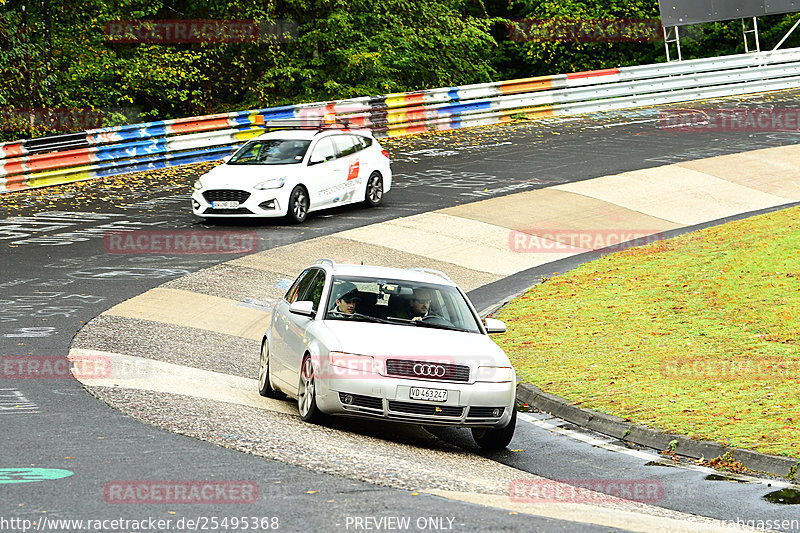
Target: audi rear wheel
[{"x": 264, "y": 385}]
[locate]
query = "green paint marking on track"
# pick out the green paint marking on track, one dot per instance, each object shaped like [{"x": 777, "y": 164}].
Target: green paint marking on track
[{"x": 29, "y": 475}]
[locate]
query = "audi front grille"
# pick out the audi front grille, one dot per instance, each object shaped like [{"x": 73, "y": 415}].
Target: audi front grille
[
  {"x": 427, "y": 370},
  {"x": 226, "y": 195}
]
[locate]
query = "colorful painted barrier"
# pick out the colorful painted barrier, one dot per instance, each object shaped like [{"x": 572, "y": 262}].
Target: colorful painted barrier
[{"x": 124, "y": 149}]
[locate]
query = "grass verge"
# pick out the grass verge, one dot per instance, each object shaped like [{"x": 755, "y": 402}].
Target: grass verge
[{"x": 696, "y": 335}]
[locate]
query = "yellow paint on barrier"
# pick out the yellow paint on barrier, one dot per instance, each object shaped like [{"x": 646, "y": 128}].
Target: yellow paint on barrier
[
  {"x": 59, "y": 177},
  {"x": 248, "y": 133}
]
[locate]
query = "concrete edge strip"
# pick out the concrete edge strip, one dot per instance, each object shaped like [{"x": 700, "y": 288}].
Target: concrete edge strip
[
  {"x": 627, "y": 431},
  {"x": 132, "y": 372},
  {"x": 603, "y": 516}
]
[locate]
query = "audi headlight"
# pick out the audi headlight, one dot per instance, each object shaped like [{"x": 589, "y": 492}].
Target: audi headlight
[
  {"x": 494, "y": 374},
  {"x": 346, "y": 363},
  {"x": 274, "y": 183}
]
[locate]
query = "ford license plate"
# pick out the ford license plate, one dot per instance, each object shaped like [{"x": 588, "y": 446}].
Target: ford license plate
[
  {"x": 431, "y": 395},
  {"x": 224, "y": 205}
]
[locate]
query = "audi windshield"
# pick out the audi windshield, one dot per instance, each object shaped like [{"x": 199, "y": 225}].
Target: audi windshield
[{"x": 400, "y": 302}]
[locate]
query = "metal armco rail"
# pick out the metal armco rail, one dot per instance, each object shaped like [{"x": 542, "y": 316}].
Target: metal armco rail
[{"x": 124, "y": 149}]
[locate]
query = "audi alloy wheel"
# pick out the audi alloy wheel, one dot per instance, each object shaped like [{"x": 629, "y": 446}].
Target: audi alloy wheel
[{"x": 306, "y": 393}]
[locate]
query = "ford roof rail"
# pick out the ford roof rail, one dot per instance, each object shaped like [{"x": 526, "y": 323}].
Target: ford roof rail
[
  {"x": 432, "y": 271},
  {"x": 324, "y": 260},
  {"x": 327, "y": 123}
]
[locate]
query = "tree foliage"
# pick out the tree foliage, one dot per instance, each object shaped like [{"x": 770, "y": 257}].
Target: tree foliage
[{"x": 56, "y": 53}]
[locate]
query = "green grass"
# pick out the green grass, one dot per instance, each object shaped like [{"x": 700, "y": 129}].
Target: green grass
[{"x": 696, "y": 335}]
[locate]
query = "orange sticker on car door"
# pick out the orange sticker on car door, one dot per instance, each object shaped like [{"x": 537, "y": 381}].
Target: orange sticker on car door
[{"x": 353, "y": 172}]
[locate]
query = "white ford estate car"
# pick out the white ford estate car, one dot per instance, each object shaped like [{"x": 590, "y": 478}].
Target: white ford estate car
[
  {"x": 294, "y": 172},
  {"x": 389, "y": 343}
]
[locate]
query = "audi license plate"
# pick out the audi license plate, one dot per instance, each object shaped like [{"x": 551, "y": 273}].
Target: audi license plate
[
  {"x": 224, "y": 205},
  {"x": 431, "y": 395}
]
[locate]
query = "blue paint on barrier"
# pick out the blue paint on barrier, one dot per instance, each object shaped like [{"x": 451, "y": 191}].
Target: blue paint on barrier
[
  {"x": 452, "y": 94},
  {"x": 156, "y": 130},
  {"x": 279, "y": 113},
  {"x": 463, "y": 108}
]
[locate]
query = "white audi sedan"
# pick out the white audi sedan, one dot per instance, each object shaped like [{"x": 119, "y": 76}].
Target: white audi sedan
[
  {"x": 404, "y": 345},
  {"x": 294, "y": 172}
]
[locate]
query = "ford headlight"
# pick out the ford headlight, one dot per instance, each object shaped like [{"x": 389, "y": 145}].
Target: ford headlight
[
  {"x": 494, "y": 374},
  {"x": 198, "y": 185},
  {"x": 274, "y": 183}
]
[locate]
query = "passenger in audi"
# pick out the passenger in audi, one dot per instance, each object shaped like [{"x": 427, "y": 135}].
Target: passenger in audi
[{"x": 348, "y": 300}]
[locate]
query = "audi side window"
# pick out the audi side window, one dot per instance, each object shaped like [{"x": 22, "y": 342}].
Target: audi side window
[
  {"x": 323, "y": 151},
  {"x": 301, "y": 281},
  {"x": 304, "y": 292},
  {"x": 314, "y": 290}
]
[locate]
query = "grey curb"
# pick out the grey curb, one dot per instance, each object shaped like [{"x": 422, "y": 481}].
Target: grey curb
[{"x": 626, "y": 431}]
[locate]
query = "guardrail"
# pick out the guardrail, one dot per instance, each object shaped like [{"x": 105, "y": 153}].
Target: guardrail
[{"x": 125, "y": 149}]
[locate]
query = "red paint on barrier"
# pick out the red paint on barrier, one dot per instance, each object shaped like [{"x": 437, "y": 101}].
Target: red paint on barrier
[
  {"x": 13, "y": 166},
  {"x": 197, "y": 125},
  {"x": 12, "y": 149},
  {"x": 59, "y": 160},
  {"x": 593, "y": 73},
  {"x": 415, "y": 98},
  {"x": 17, "y": 183},
  {"x": 528, "y": 85}
]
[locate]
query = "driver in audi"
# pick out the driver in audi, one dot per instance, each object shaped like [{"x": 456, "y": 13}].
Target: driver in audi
[{"x": 418, "y": 305}]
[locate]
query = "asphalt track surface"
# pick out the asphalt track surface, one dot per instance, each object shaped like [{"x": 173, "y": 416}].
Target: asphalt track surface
[{"x": 56, "y": 276}]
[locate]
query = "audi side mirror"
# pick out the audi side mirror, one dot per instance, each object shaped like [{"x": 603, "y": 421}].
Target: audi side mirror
[
  {"x": 494, "y": 326},
  {"x": 304, "y": 308}
]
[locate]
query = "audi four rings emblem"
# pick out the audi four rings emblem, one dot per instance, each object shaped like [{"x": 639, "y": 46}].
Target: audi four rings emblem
[{"x": 431, "y": 371}]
